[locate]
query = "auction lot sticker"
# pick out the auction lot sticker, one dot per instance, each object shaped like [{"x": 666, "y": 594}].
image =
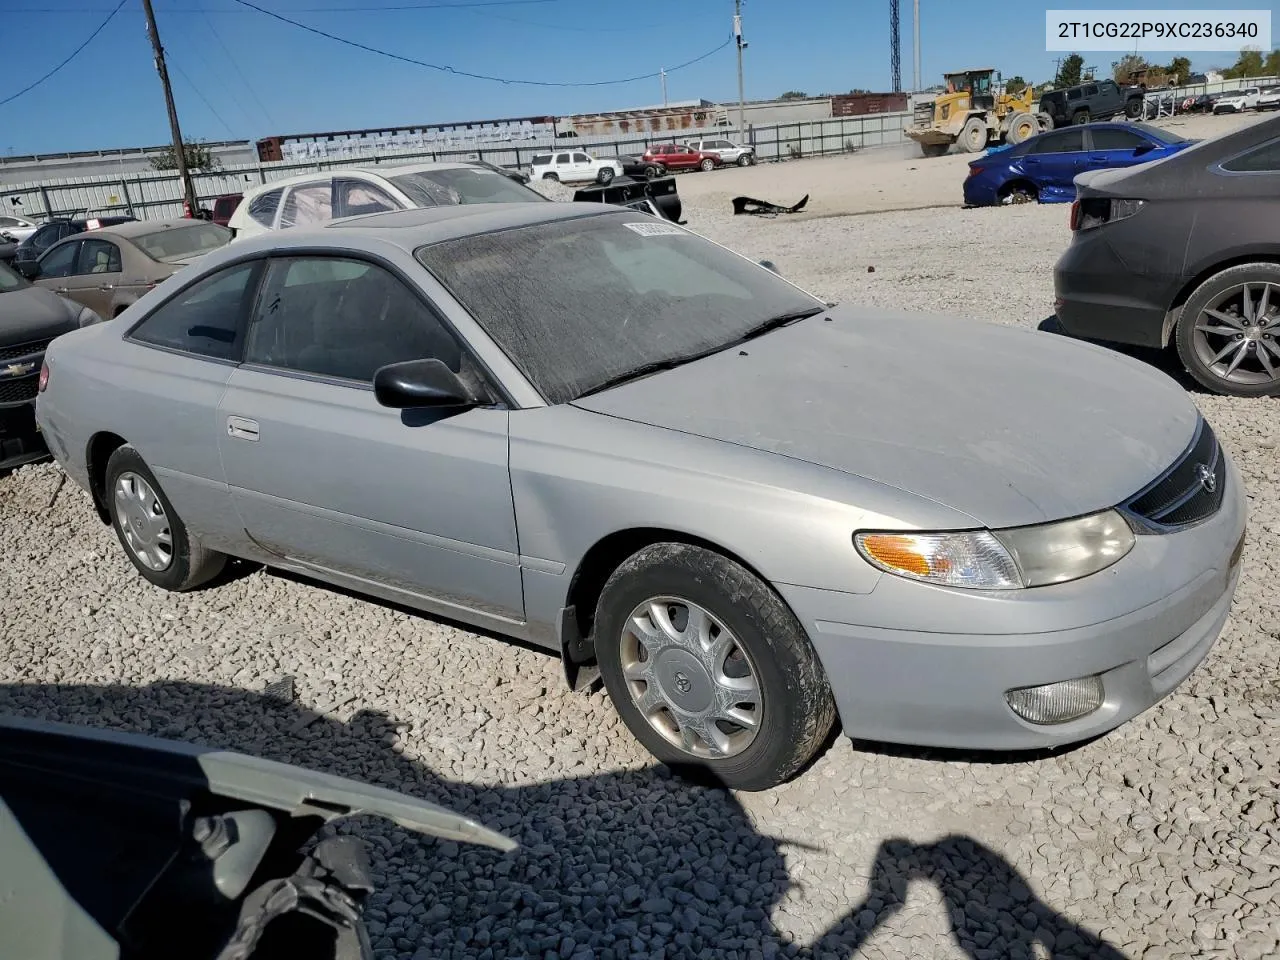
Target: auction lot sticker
[
  {"x": 655, "y": 229},
  {"x": 1157, "y": 31}
]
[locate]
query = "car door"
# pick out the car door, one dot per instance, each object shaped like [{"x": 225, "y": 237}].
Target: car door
[
  {"x": 325, "y": 477},
  {"x": 1111, "y": 147},
  {"x": 97, "y": 274},
  {"x": 57, "y": 264},
  {"x": 1057, "y": 158},
  {"x": 583, "y": 166},
  {"x": 564, "y": 166},
  {"x": 184, "y": 352}
]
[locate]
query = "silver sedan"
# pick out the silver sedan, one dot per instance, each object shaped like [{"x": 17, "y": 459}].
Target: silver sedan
[{"x": 749, "y": 512}]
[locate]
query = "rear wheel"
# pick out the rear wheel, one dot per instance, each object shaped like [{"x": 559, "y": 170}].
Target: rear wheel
[
  {"x": 1022, "y": 127},
  {"x": 652, "y": 173},
  {"x": 708, "y": 667},
  {"x": 1080, "y": 116},
  {"x": 974, "y": 135},
  {"x": 1228, "y": 335},
  {"x": 153, "y": 535},
  {"x": 551, "y": 176},
  {"x": 1133, "y": 108},
  {"x": 707, "y": 165},
  {"x": 1046, "y": 121},
  {"x": 1020, "y": 192},
  {"x": 934, "y": 149}
]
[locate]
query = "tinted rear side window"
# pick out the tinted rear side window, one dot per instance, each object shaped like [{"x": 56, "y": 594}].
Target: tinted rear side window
[
  {"x": 541, "y": 159},
  {"x": 1263, "y": 159},
  {"x": 262, "y": 208}
]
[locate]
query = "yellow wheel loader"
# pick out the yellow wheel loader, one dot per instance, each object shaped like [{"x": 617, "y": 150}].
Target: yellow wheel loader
[{"x": 973, "y": 112}]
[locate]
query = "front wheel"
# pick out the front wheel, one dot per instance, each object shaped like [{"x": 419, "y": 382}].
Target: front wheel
[
  {"x": 708, "y": 667},
  {"x": 605, "y": 176},
  {"x": 934, "y": 149},
  {"x": 1228, "y": 336},
  {"x": 707, "y": 165},
  {"x": 1080, "y": 116},
  {"x": 974, "y": 135},
  {"x": 652, "y": 173},
  {"x": 744, "y": 160},
  {"x": 1133, "y": 108},
  {"x": 554, "y": 178},
  {"x": 153, "y": 535}
]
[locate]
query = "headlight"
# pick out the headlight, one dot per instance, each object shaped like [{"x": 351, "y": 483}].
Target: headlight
[
  {"x": 87, "y": 317},
  {"x": 1002, "y": 559}
]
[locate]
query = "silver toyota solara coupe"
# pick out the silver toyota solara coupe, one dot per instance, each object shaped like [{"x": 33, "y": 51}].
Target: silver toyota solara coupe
[{"x": 597, "y": 431}]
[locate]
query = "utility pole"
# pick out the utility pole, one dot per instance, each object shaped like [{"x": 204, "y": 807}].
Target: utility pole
[
  {"x": 663, "y": 72},
  {"x": 742, "y": 101},
  {"x": 179, "y": 149},
  {"x": 915, "y": 47}
]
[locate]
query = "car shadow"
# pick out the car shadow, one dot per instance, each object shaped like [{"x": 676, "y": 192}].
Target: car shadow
[
  {"x": 1166, "y": 361},
  {"x": 617, "y": 864}
]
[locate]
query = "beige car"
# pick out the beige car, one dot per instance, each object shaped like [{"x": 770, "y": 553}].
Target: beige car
[{"x": 109, "y": 268}]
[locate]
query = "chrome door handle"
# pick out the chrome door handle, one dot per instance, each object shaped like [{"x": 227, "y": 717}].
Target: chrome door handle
[
  {"x": 242, "y": 429},
  {"x": 107, "y": 286},
  {"x": 63, "y": 290}
]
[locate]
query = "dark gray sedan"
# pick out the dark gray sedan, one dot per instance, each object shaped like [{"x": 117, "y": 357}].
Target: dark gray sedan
[
  {"x": 597, "y": 431},
  {"x": 1184, "y": 252}
]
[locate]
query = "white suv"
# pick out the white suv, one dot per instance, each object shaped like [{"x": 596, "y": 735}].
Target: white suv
[
  {"x": 318, "y": 197},
  {"x": 729, "y": 151},
  {"x": 573, "y": 166}
]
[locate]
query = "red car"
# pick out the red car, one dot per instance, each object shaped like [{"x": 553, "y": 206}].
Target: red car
[{"x": 676, "y": 156}]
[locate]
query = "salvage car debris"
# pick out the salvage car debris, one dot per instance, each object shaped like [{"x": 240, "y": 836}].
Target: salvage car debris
[
  {"x": 118, "y": 846},
  {"x": 764, "y": 207}
]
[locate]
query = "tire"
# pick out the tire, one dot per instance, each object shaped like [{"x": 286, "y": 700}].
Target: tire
[
  {"x": 139, "y": 512},
  {"x": 706, "y": 166},
  {"x": 1046, "y": 122},
  {"x": 974, "y": 135},
  {"x": 1022, "y": 127},
  {"x": 744, "y": 160},
  {"x": 552, "y": 177},
  {"x": 605, "y": 176},
  {"x": 794, "y": 710},
  {"x": 934, "y": 149},
  {"x": 1133, "y": 108},
  {"x": 1019, "y": 192},
  {"x": 1080, "y": 117},
  {"x": 1197, "y": 349},
  {"x": 652, "y": 173}
]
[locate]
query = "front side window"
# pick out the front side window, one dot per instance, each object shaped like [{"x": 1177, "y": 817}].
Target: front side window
[
  {"x": 628, "y": 291},
  {"x": 581, "y": 158},
  {"x": 308, "y": 205},
  {"x": 206, "y": 318},
  {"x": 99, "y": 256},
  {"x": 1091, "y": 90},
  {"x": 60, "y": 261},
  {"x": 429, "y": 188},
  {"x": 1110, "y": 139},
  {"x": 343, "y": 318}
]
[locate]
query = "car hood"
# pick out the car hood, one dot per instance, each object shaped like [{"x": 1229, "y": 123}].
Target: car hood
[
  {"x": 1006, "y": 425},
  {"x": 33, "y": 313}
]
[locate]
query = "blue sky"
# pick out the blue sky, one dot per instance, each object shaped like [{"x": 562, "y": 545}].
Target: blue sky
[{"x": 238, "y": 74}]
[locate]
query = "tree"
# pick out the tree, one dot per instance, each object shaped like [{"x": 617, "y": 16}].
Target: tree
[
  {"x": 1249, "y": 64},
  {"x": 1069, "y": 72},
  {"x": 1179, "y": 70},
  {"x": 1128, "y": 65},
  {"x": 794, "y": 95},
  {"x": 1272, "y": 65},
  {"x": 1015, "y": 85},
  {"x": 199, "y": 159}
]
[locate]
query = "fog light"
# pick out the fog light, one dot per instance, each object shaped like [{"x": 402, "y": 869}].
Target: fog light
[{"x": 1057, "y": 702}]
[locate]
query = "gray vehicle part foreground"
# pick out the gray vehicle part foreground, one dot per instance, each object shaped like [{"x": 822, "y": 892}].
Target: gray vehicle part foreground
[{"x": 120, "y": 846}]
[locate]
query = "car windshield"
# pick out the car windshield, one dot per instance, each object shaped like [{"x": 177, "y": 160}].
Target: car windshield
[
  {"x": 9, "y": 280},
  {"x": 1164, "y": 136},
  {"x": 430, "y": 188},
  {"x": 179, "y": 243},
  {"x": 578, "y": 304}
]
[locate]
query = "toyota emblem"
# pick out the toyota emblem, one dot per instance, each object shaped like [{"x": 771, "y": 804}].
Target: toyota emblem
[
  {"x": 682, "y": 683},
  {"x": 1206, "y": 478}
]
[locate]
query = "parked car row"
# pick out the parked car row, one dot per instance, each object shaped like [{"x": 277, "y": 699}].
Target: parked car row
[{"x": 580, "y": 165}]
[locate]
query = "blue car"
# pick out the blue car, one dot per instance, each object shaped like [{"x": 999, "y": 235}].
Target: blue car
[{"x": 1044, "y": 167}]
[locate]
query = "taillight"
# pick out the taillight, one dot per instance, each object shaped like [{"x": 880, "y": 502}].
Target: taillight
[
  {"x": 1075, "y": 215},
  {"x": 44, "y": 378},
  {"x": 974, "y": 169},
  {"x": 1094, "y": 212}
]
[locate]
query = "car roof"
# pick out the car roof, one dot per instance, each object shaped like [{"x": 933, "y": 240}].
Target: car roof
[
  {"x": 141, "y": 228},
  {"x": 381, "y": 170}
]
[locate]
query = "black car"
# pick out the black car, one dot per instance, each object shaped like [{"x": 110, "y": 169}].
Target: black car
[
  {"x": 59, "y": 229},
  {"x": 634, "y": 165},
  {"x": 1095, "y": 100},
  {"x": 30, "y": 317},
  {"x": 1184, "y": 251}
]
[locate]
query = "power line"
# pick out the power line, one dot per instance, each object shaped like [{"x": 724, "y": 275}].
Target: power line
[
  {"x": 444, "y": 5},
  {"x": 555, "y": 26},
  {"x": 476, "y": 76},
  {"x": 234, "y": 63},
  {"x": 191, "y": 83},
  {"x": 74, "y": 54}
]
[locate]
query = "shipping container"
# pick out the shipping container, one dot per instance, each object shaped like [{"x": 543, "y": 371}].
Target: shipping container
[{"x": 861, "y": 104}]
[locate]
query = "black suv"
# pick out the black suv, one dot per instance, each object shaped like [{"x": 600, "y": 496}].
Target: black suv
[
  {"x": 1095, "y": 100},
  {"x": 55, "y": 230}
]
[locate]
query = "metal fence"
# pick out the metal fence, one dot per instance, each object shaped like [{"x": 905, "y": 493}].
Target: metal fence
[{"x": 158, "y": 195}]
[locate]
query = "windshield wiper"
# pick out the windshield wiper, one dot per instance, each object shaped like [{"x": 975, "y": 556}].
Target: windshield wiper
[{"x": 781, "y": 321}]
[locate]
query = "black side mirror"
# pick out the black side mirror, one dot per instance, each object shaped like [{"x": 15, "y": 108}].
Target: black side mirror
[
  {"x": 28, "y": 268},
  {"x": 770, "y": 265},
  {"x": 418, "y": 384},
  {"x": 1142, "y": 148}
]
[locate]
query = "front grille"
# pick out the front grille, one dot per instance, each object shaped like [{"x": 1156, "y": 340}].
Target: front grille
[
  {"x": 924, "y": 114},
  {"x": 23, "y": 350},
  {"x": 19, "y": 390},
  {"x": 1189, "y": 491}
]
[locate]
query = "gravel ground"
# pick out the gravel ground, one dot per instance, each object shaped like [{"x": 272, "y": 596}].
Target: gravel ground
[{"x": 1160, "y": 840}]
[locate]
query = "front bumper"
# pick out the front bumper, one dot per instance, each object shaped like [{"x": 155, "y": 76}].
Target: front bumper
[
  {"x": 1100, "y": 297},
  {"x": 902, "y": 673}
]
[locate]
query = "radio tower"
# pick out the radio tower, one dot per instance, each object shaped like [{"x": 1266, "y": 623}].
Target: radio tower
[{"x": 895, "y": 47}]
